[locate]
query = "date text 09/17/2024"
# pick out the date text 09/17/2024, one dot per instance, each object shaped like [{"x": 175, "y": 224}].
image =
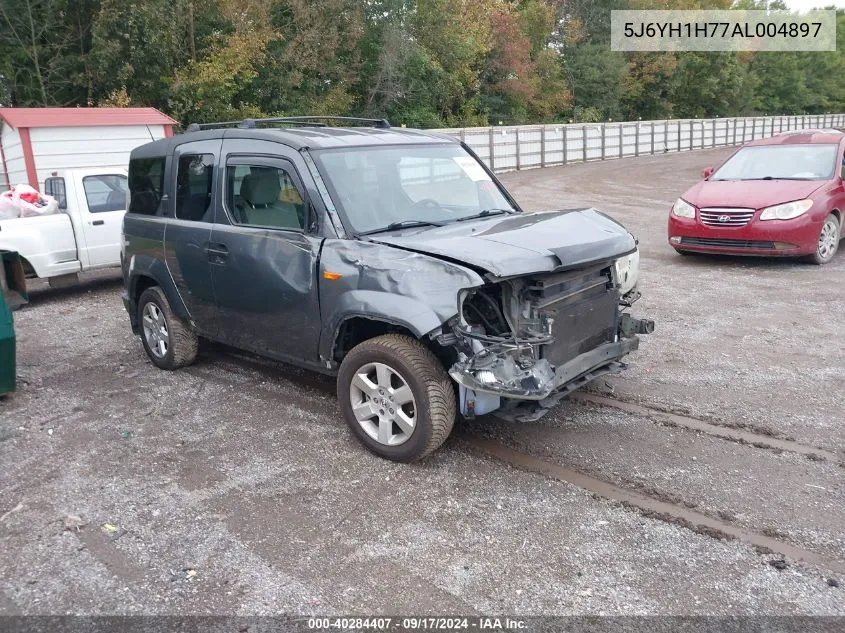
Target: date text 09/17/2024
[{"x": 416, "y": 623}]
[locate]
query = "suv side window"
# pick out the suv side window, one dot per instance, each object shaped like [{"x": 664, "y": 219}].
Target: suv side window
[
  {"x": 146, "y": 184},
  {"x": 263, "y": 196},
  {"x": 194, "y": 179}
]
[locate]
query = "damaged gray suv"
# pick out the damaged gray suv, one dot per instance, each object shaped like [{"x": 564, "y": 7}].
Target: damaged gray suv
[{"x": 390, "y": 258}]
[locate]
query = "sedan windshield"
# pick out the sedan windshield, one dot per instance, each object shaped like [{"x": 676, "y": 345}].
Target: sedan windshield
[
  {"x": 780, "y": 162},
  {"x": 390, "y": 188}
]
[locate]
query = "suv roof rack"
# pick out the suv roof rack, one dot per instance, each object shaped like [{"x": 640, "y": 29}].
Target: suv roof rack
[{"x": 314, "y": 121}]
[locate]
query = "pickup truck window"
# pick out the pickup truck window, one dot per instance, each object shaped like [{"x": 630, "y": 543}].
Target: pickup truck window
[
  {"x": 55, "y": 186},
  {"x": 105, "y": 192},
  {"x": 146, "y": 183},
  {"x": 264, "y": 196},
  {"x": 194, "y": 178}
]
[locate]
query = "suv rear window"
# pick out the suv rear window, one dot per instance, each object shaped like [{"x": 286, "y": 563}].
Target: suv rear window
[{"x": 146, "y": 184}]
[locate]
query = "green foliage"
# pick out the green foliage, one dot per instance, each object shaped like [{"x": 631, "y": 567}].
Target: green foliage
[{"x": 421, "y": 63}]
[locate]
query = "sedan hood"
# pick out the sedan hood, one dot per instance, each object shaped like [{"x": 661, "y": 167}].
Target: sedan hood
[
  {"x": 750, "y": 194},
  {"x": 522, "y": 243}
]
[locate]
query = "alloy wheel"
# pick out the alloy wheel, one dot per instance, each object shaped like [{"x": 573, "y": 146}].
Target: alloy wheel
[
  {"x": 383, "y": 404},
  {"x": 828, "y": 239},
  {"x": 155, "y": 330}
]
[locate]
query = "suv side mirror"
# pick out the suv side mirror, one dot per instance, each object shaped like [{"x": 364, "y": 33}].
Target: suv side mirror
[{"x": 707, "y": 172}]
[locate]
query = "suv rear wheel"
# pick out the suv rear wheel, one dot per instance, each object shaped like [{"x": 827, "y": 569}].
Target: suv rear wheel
[
  {"x": 396, "y": 397},
  {"x": 168, "y": 340}
]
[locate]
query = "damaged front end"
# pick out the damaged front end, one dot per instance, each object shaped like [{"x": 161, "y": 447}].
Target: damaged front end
[{"x": 524, "y": 343}]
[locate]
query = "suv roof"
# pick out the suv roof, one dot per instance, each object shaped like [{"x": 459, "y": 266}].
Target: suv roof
[{"x": 315, "y": 137}]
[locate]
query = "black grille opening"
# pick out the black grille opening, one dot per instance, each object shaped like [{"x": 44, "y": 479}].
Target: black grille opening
[{"x": 713, "y": 241}]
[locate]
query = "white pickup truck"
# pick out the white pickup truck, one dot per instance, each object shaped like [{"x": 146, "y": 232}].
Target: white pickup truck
[{"x": 84, "y": 235}]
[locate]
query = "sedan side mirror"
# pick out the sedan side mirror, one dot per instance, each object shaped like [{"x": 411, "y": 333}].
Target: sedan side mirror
[{"x": 707, "y": 172}]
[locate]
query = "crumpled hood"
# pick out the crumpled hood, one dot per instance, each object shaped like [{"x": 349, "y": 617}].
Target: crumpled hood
[
  {"x": 522, "y": 243},
  {"x": 750, "y": 194}
]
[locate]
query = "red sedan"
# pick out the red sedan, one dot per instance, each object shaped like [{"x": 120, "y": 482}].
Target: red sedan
[{"x": 778, "y": 196}]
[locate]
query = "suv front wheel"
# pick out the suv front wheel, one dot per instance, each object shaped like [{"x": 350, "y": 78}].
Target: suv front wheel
[
  {"x": 168, "y": 341},
  {"x": 396, "y": 397}
]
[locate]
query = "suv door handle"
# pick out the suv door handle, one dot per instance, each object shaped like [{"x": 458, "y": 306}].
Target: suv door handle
[
  {"x": 217, "y": 253},
  {"x": 98, "y": 222}
]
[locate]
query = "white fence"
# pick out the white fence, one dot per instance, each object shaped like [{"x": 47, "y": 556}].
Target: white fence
[{"x": 506, "y": 148}]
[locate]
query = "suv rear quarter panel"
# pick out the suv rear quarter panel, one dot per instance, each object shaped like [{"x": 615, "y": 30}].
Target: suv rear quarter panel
[{"x": 143, "y": 256}]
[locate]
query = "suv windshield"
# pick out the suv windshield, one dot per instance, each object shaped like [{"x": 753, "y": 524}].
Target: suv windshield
[
  {"x": 774, "y": 162},
  {"x": 385, "y": 188}
]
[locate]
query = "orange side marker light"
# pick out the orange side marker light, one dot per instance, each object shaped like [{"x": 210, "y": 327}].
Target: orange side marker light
[{"x": 331, "y": 276}]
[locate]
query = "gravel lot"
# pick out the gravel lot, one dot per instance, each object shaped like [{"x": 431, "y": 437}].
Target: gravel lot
[{"x": 233, "y": 486}]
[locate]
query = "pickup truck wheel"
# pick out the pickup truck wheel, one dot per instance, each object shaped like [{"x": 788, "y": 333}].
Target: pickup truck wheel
[
  {"x": 396, "y": 397},
  {"x": 168, "y": 341}
]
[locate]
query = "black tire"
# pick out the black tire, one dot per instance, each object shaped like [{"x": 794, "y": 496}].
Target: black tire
[
  {"x": 820, "y": 258},
  {"x": 182, "y": 344},
  {"x": 684, "y": 253},
  {"x": 432, "y": 389}
]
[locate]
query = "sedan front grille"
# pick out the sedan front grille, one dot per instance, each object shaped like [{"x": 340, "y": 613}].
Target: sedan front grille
[{"x": 715, "y": 216}]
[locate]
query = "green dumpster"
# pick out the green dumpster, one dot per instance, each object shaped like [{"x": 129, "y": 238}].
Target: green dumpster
[{"x": 12, "y": 296}]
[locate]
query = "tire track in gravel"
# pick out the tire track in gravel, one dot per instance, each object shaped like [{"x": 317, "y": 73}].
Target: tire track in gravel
[
  {"x": 723, "y": 430},
  {"x": 649, "y": 505}
]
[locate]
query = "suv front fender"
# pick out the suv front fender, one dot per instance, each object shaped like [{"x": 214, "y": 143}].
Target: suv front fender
[{"x": 374, "y": 281}]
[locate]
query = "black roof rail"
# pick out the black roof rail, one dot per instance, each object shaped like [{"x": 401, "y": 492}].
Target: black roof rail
[{"x": 315, "y": 121}]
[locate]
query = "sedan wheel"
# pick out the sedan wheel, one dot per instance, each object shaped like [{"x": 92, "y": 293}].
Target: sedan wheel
[
  {"x": 383, "y": 404},
  {"x": 828, "y": 241}
]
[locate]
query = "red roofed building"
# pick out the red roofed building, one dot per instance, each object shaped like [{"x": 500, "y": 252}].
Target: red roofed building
[{"x": 34, "y": 142}]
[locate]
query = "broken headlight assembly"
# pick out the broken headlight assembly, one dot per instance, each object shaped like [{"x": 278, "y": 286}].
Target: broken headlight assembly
[{"x": 492, "y": 357}]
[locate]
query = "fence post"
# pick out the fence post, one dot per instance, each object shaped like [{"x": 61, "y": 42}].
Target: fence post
[
  {"x": 518, "y": 165},
  {"x": 564, "y": 144},
  {"x": 543, "y": 146},
  {"x": 621, "y": 141},
  {"x": 584, "y": 143},
  {"x": 636, "y": 140},
  {"x": 603, "y": 139},
  {"x": 492, "y": 160},
  {"x": 651, "y": 124},
  {"x": 463, "y": 135}
]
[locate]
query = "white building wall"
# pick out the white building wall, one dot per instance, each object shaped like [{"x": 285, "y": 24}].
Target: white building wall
[
  {"x": 12, "y": 149},
  {"x": 106, "y": 147}
]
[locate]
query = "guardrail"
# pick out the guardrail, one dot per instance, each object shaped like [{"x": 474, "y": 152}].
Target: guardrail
[{"x": 506, "y": 148}]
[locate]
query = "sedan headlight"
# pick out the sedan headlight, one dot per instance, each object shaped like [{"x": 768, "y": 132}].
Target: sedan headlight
[
  {"x": 683, "y": 209},
  {"x": 786, "y": 211}
]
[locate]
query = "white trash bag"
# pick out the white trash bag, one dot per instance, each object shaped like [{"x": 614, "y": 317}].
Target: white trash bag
[
  {"x": 22, "y": 201},
  {"x": 8, "y": 209}
]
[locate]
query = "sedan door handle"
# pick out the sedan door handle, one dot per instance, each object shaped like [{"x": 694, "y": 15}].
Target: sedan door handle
[{"x": 98, "y": 222}]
